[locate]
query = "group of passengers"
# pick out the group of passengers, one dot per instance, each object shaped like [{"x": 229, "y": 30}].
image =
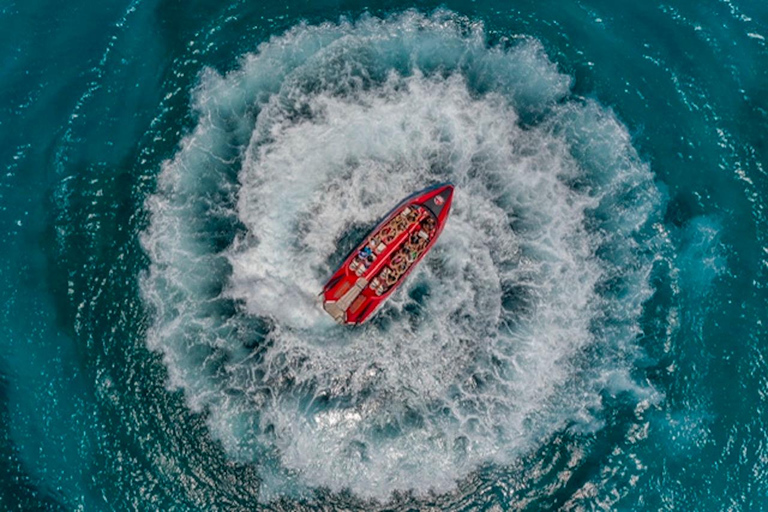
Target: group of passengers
[{"x": 400, "y": 260}]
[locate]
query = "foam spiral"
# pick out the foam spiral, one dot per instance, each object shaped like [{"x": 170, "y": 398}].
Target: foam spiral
[{"x": 507, "y": 332}]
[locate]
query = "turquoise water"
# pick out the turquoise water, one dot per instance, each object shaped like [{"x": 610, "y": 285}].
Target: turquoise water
[{"x": 179, "y": 180}]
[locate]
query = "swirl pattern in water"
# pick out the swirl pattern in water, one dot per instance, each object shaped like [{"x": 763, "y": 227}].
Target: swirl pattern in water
[{"x": 525, "y": 309}]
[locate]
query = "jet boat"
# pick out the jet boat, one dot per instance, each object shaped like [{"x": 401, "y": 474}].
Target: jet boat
[{"x": 380, "y": 264}]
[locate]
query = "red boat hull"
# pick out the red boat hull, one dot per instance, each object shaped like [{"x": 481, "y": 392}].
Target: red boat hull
[{"x": 380, "y": 264}]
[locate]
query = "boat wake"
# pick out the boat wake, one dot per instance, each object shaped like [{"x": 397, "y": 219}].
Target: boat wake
[{"x": 511, "y": 328}]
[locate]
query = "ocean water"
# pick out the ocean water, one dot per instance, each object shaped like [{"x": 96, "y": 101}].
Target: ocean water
[{"x": 179, "y": 179}]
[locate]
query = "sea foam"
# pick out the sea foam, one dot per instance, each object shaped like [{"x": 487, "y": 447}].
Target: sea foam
[{"x": 488, "y": 348}]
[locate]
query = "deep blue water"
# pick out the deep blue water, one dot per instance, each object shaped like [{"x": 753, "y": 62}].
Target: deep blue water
[{"x": 179, "y": 179}]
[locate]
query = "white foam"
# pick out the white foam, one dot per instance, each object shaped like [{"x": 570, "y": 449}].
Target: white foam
[{"x": 351, "y": 118}]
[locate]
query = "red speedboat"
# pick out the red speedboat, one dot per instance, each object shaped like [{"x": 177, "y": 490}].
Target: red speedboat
[{"x": 374, "y": 270}]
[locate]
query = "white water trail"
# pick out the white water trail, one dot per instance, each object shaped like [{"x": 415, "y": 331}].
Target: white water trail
[{"x": 481, "y": 355}]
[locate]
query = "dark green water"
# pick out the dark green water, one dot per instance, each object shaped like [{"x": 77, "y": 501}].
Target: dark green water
[{"x": 180, "y": 179}]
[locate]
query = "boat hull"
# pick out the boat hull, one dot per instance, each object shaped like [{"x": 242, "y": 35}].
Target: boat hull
[{"x": 389, "y": 252}]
